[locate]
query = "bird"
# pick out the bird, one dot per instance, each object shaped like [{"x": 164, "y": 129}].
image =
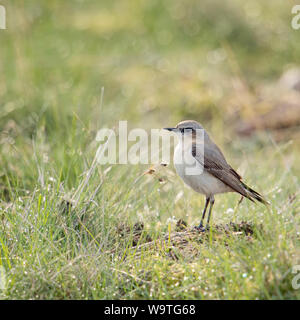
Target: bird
[{"x": 202, "y": 166}]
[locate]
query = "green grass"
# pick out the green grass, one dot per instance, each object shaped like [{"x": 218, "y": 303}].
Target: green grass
[{"x": 159, "y": 64}]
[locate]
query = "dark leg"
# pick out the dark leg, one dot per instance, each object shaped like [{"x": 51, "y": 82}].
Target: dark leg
[
  {"x": 203, "y": 214},
  {"x": 212, "y": 201}
]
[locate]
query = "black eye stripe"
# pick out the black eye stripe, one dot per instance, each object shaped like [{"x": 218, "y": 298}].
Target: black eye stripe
[{"x": 188, "y": 129}]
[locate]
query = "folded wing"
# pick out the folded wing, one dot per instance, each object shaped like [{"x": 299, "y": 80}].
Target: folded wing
[{"x": 216, "y": 164}]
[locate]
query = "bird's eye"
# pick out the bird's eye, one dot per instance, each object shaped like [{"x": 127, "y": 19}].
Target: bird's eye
[{"x": 187, "y": 130}]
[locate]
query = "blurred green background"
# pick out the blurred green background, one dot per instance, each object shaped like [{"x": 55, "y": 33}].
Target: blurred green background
[
  {"x": 159, "y": 61},
  {"x": 232, "y": 65}
]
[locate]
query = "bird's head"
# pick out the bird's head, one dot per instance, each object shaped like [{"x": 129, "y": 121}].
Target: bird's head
[{"x": 187, "y": 127}]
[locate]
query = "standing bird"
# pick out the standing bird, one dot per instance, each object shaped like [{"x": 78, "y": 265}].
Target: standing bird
[{"x": 203, "y": 167}]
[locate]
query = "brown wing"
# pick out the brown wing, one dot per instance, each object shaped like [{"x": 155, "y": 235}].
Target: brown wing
[{"x": 216, "y": 164}]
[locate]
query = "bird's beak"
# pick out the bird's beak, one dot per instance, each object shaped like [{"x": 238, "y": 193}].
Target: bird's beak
[{"x": 170, "y": 129}]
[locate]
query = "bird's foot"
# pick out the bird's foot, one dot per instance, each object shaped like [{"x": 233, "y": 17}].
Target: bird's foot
[{"x": 201, "y": 228}]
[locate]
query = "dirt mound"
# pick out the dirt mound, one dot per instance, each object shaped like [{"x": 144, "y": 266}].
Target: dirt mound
[{"x": 185, "y": 240}]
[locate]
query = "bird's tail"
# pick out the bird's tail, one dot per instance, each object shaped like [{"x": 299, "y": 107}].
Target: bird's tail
[{"x": 255, "y": 195}]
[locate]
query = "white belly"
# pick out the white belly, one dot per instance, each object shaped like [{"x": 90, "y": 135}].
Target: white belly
[{"x": 192, "y": 174}]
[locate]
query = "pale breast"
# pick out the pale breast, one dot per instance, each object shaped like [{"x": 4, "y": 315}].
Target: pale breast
[{"x": 192, "y": 173}]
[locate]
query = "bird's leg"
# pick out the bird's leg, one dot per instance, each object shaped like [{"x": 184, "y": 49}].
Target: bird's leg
[
  {"x": 203, "y": 214},
  {"x": 212, "y": 201}
]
